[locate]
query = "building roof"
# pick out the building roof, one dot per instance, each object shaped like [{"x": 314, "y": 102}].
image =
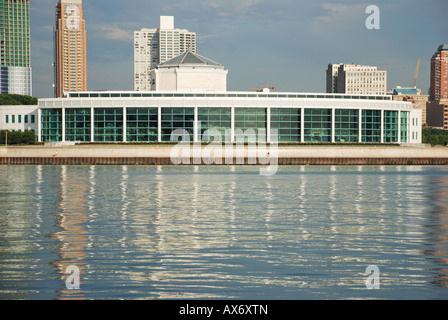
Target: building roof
[
  {"x": 443, "y": 47},
  {"x": 406, "y": 91},
  {"x": 190, "y": 59}
]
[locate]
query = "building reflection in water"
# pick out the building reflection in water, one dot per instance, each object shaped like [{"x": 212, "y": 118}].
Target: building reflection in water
[
  {"x": 184, "y": 226},
  {"x": 72, "y": 218},
  {"x": 438, "y": 228}
]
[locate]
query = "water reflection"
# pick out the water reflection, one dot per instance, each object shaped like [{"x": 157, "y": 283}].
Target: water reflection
[
  {"x": 438, "y": 230},
  {"x": 223, "y": 232},
  {"x": 72, "y": 218}
]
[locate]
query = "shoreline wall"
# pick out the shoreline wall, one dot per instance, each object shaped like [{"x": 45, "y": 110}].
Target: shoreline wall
[{"x": 163, "y": 155}]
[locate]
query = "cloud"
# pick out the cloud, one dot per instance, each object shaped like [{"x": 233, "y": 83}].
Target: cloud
[
  {"x": 338, "y": 15},
  {"x": 116, "y": 33},
  {"x": 222, "y": 8}
]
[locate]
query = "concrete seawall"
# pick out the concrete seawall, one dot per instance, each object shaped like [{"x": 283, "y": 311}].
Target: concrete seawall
[{"x": 163, "y": 155}]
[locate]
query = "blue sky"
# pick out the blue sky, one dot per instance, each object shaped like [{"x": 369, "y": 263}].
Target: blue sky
[{"x": 288, "y": 43}]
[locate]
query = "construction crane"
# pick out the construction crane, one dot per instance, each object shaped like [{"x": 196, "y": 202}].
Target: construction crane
[
  {"x": 416, "y": 73},
  {"x": 265, "y": 89}
]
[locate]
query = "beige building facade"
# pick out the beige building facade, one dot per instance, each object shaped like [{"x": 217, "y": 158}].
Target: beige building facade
[
  {"x": 71, "y": 52},
  {"x": 356, "y": 79},
  {"x": 419, "y": 101}
]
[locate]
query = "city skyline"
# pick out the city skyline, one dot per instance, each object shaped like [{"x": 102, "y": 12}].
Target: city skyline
[{"x": 289, "y": 44}]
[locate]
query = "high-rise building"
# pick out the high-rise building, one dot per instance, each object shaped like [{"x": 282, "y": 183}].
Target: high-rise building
[
  {"x": 356, "y": 79},
  {"x": 70, "y": 48},
  {"x": 332, "y": 77},
  {"x": 439, "y": 74},
  {"x": 158, "y": 45},
  {"x": 15, "y": 47}
]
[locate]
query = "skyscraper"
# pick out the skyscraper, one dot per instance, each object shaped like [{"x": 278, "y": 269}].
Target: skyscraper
[
  {"x": 356, "y": 79},
  {"x": 332, "y": 77},
  {"x": 15, "y": 47},
  {"x": 70, "y": 48},
  {"x": 155, "y": 46},
  {"x": 439, "y": 74}
]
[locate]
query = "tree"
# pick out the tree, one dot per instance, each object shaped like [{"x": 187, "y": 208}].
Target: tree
[{"x": 16, "y": 99}]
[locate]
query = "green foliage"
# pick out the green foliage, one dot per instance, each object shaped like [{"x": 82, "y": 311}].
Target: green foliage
[
  {"x": 17, "y": 137},
  {"x": 15, "y": 99},
  {"x": 436, "y": 137}
]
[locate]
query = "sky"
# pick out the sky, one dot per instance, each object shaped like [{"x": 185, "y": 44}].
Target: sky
[{"x": 287, "y": 43}]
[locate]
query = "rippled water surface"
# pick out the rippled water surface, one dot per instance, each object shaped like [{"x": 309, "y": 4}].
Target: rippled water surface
[{"x": 223, "y": 232}]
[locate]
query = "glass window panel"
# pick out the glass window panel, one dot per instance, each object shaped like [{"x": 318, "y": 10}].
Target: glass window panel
[
  {"x": 215, "y": 119},
  {"x": 108, "y": 125},
  {"x": 346, "y": 125},
  {"x": 371, "y": 126},
  {"x": 177, "y": 118},
  {"x": 78, "y": 125},
  {"x": 249, "y": 123},
  {"x": 142, "y": 124},
  {"x": 318, "y": 125},
  {"x": 288, "y": 124}
]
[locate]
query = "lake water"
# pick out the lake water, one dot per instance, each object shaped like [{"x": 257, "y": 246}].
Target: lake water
[{"x": 137, "y": 232}]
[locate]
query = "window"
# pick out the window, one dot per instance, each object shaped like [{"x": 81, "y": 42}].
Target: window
[
  {"x": 19, "y": 118},
  {"x": 26, "y": 118},
  {"x": 177, "y": 118},
  {"x": 78, "y": 125},
  {"x": 249, "y": 122},
  {"x": 390, "y": 126},
  {"x": 33, "y": 118},
  {"x": 7, "y": 118},
  {"x": 404, "y": 126},
  {"x": 347, "y": 125},
  {"x": 13, "y": 119},
  {"x": 318, "y": 125},
  {"x": 371, "y": 126},
  {"x": 288, "y": 124},
  {"x": 51, "y": 125},
  {"x": 215, "y": 119},
  {"x": 142, "y": 124},
  {"x": 108, "y": 125}
]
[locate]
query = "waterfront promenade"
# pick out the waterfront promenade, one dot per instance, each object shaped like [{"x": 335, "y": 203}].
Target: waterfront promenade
[{"x": 161, "y": 154}]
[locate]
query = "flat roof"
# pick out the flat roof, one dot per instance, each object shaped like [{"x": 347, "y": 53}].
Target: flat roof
[{"x": 227, "y": 94}]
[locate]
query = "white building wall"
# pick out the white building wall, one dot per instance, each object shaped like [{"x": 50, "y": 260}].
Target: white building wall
[
  {"x": 18, "y": 118},
  {"x": 190, "y": 79},
  {"x": 415, "y": 126}
]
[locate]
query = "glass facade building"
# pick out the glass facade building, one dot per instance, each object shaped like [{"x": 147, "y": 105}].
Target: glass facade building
[
  {"x": 229, "y": 117},
  {"x": 15, "y": 61}
]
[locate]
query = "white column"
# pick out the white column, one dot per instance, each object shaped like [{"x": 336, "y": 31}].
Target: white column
[
  {"x": 399, "y": 126},
  {"x": 92, "y": 124},
  {"x": 302, "y": 125},
  {"x": 196, "y": 129},
  {"x": 39, "y": 124},
  {"x": 382, "y": 125},
  {"x": 125, "y": 129},
  {"x": 63, "y": 124},
  {"x": 159, "y": 125},
  {"x": 268, "y": 125},
  {"x": 232, "y": 124},
  {"x": 360, "y": 126},
  {"x": 333, "y": 125}
]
